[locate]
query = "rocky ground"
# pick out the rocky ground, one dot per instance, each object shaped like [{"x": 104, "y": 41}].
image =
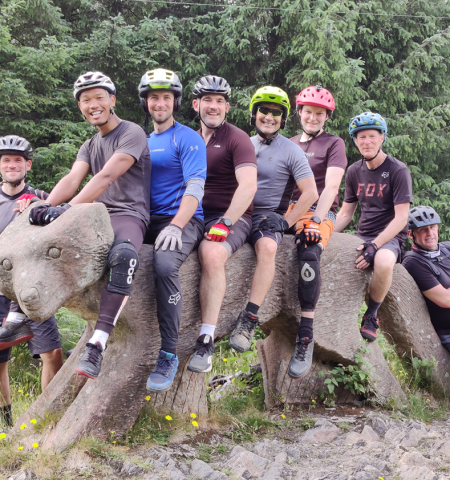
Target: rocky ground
[{"x": 366, "y": 445}]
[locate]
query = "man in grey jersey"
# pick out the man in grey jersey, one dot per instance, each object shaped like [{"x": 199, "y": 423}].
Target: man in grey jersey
[
  {"x": 43, "y": 337},
  {"x": 281, "y": 166}
]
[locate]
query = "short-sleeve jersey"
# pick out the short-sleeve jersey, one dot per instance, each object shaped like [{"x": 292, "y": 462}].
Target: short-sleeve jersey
[
  {"x": 178, "y": 155},
  {"x": 426, "y": 280},
  {"x": 8, "y": 203},
  {"x": 280, "y": 166},
  {"x": 130, "y": 193},
  {"x": 378, "y": 191},
  {"x": 228, "y": 149},
  {"x": 322, "y": 152}
]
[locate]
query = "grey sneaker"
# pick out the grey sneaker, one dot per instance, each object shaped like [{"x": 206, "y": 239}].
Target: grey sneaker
[
  {"x": 201, "y": 361},
  {"x": 91, "y": 360},
  {"x": 301, "y": 361},
  {"x": 241, "y": 338},
  {"x": 15, "y": 333}
]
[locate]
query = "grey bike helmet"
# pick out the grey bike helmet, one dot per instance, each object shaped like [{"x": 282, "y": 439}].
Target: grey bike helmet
[
  {"x": 212, "y": 85},
  {"x": 160, "y": 79},
  {"x": 12, "y": 144},
  {"x": 422, "y": 217},
  {"x": 93, "y": 80}
]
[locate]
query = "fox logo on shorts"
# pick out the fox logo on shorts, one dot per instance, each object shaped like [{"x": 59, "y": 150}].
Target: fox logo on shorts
[{"x": 175, "y": 298}]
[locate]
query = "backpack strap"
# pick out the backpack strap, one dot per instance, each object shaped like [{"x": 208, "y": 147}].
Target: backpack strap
[{"x": 425, "y": 261}]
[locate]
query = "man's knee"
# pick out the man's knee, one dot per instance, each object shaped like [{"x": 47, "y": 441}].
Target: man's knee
[
  {"x": 123, "y": 262},
  {"x": 384, "y": 261},
  {"x": 309, "y": 276},
  {"x": 266, "y": 249},
  {"x": 212, "y": 255},
  {"x": 164, "y": 264}
]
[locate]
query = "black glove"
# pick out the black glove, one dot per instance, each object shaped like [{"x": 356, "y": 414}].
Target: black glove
[
  {"x": 45, "y": 213},
  {"x": 274, "y": 223},
  {"x": 370, "y": 249}
]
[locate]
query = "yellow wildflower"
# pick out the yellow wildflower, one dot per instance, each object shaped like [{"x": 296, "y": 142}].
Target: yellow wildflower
[
  {"x": 225, "y": 360},
  {"x": 168, "y": 417},
  {"x": 23, "y": 426},
  {"x": 33, "y": 420},
  {"x": 27, "y": 394},
  {"x": 20, "y": 448},
  {"x": 35, "y": 445},
  {"x": 195, "y": 423},
  {"x": 2, "y": 435},
  {"x": 148, "y": 397},
  {"x": 283, "y": 416},
  {"x": 193, "y": 415},
  {"x": 20, "y": 391}
]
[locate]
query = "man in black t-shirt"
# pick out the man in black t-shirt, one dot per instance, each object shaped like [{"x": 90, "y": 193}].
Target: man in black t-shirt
[
  {"x": 43, "y": 337},
  {"x": 429, "y": 264},
  {"x": 382, "y": 185}
]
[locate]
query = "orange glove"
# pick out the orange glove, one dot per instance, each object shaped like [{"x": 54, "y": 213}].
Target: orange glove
[{"x": 312, "y": 232}]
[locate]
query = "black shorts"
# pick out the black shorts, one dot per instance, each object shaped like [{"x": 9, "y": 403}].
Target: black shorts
[
  {"x": 239, "y": 232},
  {"x": 394, "y": 245},
  {"x": 46, "y": 336}
]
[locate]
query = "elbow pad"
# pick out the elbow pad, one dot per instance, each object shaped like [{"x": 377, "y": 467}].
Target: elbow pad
[{"x": 195, "y": 187}]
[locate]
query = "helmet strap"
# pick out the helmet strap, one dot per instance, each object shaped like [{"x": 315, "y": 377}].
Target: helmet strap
[
  {"x": 147, "y": 119},
  {"x": 370, "y": 159},
  {"x": 111, "y": 113},
  {"x": 17, "y": 183},
  {"x": 267, "y": 140}
]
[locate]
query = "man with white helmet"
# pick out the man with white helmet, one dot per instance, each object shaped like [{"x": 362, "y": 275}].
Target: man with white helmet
[
  {"x": 282, "y": 165},
  {"x": 383, "y": 187},
  {"x": 428, "y": 263},
  {"x": 43, "y": 337},
  {"x": 227, "y": 204},
  {"x": 176, "y": 214},
  {"x": 119, "y": 160}
]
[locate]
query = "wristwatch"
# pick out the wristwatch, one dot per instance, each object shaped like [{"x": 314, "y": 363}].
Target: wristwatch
[
  {"x": 315, "y": 219},
  {"x": 226, "y": 221}
]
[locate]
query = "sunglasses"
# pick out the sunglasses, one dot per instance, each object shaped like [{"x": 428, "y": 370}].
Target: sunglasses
[{"x": 274, "y": 111}]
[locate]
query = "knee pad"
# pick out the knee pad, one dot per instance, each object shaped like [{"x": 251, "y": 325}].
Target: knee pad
[
  {"x": 309, "y": 281},
  {"x": 123, "y": 262}
]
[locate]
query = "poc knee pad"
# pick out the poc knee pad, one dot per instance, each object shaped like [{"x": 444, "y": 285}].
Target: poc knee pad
[
  {"x": 309, "y": 281},
  {"x": 123, "y": 262}
]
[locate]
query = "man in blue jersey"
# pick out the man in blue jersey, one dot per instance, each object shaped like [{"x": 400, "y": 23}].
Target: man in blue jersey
[{"x": 176, "y": 214}]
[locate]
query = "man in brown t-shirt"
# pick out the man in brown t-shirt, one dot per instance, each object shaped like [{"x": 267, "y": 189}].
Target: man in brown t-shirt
[
  {"x": 328, "y": 161},
  {"x": 119, "y": 160},
  {"x": 227, "y": 204},
  {"x": 382, "y": 185}
]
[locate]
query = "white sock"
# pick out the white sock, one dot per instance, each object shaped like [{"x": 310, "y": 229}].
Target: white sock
[
  {"x": 15, "y": 317},
  {"x": 99, "y": 336},
  {"x": 207, "y": 329}
]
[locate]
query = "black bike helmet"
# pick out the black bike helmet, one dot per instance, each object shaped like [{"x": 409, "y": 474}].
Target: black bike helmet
[
  {"x": 422, "y": 217},
  {"x": 160, "y": 79},
  {"x": 14, "y": 145},
  {"x": 212, "y": 85}
]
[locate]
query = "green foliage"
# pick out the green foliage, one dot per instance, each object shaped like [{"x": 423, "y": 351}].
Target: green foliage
[
  {"x": 356, "y": 378},
  {"x": 391, "y": 57}
]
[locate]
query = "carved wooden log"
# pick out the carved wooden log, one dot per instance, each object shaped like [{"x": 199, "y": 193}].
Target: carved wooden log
[{"x": 113, "y": 401}]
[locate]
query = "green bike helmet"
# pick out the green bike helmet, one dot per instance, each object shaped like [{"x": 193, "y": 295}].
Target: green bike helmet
[{"x": 270, "y": 94}]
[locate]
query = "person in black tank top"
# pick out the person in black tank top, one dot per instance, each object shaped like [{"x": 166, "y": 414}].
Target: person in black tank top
[{"x": 428, "y": 263}]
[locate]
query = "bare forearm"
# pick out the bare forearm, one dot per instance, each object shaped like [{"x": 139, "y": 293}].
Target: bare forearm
[
  {"x": 187, "y": 208},
  {"x": 93, "y": 189},
  {"x": 342, "y": 220},
  {"x": 392, "y": 229},
  {"x": 325, "y": 201},
  {"x": 242, "y": 198},
  {"x": 301, "y": 207},
  {"x": 65, "y": 189}
]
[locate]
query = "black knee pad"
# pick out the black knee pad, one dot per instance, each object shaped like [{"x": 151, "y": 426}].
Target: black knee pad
[
  {"x": 309, "y": 281},
  {"x": 123, "y": 262}
]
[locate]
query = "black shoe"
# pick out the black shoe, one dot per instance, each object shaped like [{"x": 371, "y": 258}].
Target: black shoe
[
  {"x": 14, "y": 333},
  {"x": 91, "y": 360},
  {"x": 241, "y": 338},
  {"x": 369, "y": 327},
  {"x": 201, "y": 361},
  {"x": 301, "y": 361}
]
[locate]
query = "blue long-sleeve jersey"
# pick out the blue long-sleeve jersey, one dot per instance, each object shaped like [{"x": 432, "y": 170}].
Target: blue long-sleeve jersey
[{"x": 178, "y": 155}]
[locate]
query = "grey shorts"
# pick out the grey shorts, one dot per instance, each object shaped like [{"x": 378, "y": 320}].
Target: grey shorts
[
  {"x": 257, "y": 234},
  {"x": 46, "y": 336},
  {"x": 394, "y": 245},
  {"x": 239, "y": 232}
]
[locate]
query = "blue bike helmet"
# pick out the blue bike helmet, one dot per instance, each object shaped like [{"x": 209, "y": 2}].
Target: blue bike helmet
[{"x": 367, "y": 121}]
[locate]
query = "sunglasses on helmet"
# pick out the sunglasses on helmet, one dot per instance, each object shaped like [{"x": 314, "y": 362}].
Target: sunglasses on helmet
[{"x": 274, "y": 111}]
